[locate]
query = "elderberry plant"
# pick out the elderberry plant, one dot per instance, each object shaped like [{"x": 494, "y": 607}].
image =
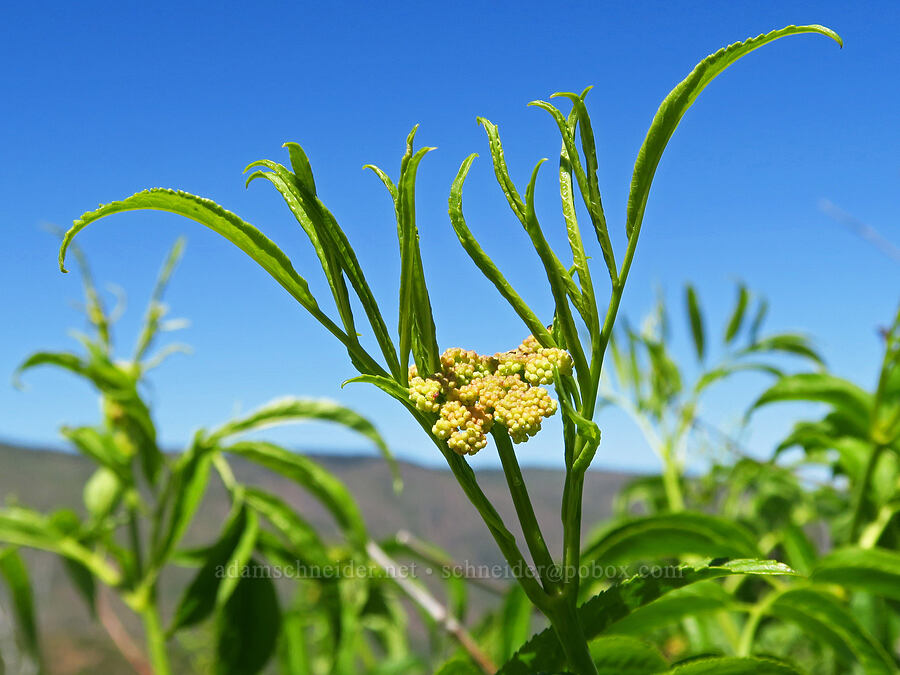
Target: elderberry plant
[{"x": 461, "y": 397}]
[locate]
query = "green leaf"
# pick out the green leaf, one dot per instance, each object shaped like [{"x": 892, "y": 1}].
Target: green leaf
[
  {"x": 691, "y": 601},
  {"x": 303, "y": 537},
  {"x": 83, "y": 581},
  {"x": 515, "y": 622},
  {"x": 485, "y": 264},
  {"x": 617, "y": 654},
  {"x": 800, "y": 551},
  {"x": 843, "y": 395},
  {"x": 737, "y": 315},
  {"x": 723, "y": 372},
  {"x": 732, "y": 665},
  {"x": 677, "y": 103},
  {"x": 330, "y": 243},
  {"x": 543, "y": 651},
  {"x": 23, "y": 527},
  {"x": 556, "y": 271},
  {"x": 667, "y": 535},
  {"x": 788, "y": 343},
  {"x": 216, "y": 579},
  {"x": 873, "y": 570},
  {"x": 756, "y": 325},
  {"x": 310, "y": 217},
  {"x": 100, "y": 447},
  {"x": 248, "y": 626},
  {"x": 823, "y": 618},
  {"x": 243, "y": 235},
  {"x": 15, "y": 574},
  {"x": 156, "y": 309},
  {"x": 307, "y": 473},
  {"x": 416, "y": 323},
  {"x": 573, "y": 232},
  {"x": 696, "y": 320},
  {"x": 295, "y": 409},
  {"x": 186, "y": 488}
]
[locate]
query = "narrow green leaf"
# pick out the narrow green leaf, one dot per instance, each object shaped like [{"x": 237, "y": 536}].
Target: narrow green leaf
[
  {"x": 301, "y": 167},
  {"x": 800, "y": 551},
  {"x": 873, "y": 570},
  {"x": 579, "y": 257},
  {"x": 291, "y": 409},
  {"x": 529, "y": 222},
  {"x": 737, "y": 315},
  {"x": 186, "y": 489},
  {"x": 587, "y": 179},
  {"x": 722, "y": 372},
  {"x": 83, "y": 581},
  {"x": 676, "y": 104},
  {"x": 307, "y": 473},
  {"x": 787, "y": 343},
  {"x": 662, "y": 536},
  {"x": 756, "y": 325},
  {"x": 306, "y": 543},
  {"x": 332, "y": 245},
  {"x": 695, "y": 318},
  {"x": 221, "y": 570},
  {"x": 23, "y": 527},
  {"x": 243, "y": 235},
  {"x": 485, "y": 264},
  {"x": 843, "y": 395},
  {"x": 15, "y": 574},
  {"x": 248, "y": 626},
  {"x": 310, "y": 219},
  {"x": 555, "y": 277},
  {"x": 100, "y": 447},
  {"x": 155, "y": 308}
]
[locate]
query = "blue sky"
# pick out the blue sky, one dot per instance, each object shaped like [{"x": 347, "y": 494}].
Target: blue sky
[{"x": 98, "y": 101}]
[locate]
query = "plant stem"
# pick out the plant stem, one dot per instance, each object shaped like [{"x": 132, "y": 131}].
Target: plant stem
[
  {"x": 502, "y": 536},
  {"x": 863, "y": 491},
  {"x": 524, "y": 509},
  {"x": 134, "y": 533},
  {"x": 672, "y": 480},
  {"x": 565, "y": 621},
  {"x": 156, "y": 638}
]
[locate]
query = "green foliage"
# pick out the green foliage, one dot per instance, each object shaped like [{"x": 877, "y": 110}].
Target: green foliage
[
  {"x": 651, "y": 385},
  {"x": 141, "y": 503}
]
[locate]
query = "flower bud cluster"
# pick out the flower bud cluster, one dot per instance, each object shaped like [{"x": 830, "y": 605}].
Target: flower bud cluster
[{"x": 473, "y": 392}]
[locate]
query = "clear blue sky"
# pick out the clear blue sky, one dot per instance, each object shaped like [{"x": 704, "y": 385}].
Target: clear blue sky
[{"x": 98, "y": 101}]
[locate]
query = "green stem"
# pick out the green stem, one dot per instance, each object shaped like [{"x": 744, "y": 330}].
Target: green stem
[
  {"x": 672, "y": 480},
  {"x": 745, "y": 647},
  {"x": 156, "y": 639},
  {"x": 502, "y": 536},
  {"x": 567, "y": 625},
  {"x": 572, "y": 522},
  {"x": 862, "y": 491},
  {"x": 134, "y": 533},
  {"x": 524, "y": 509}
]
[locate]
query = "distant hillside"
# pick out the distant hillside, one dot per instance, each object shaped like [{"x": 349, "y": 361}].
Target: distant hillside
[{"x": 431, "y": 506}]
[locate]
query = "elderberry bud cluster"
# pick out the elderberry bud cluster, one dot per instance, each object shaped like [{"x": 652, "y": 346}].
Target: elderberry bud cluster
[{"x": 473, "y": 392}]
